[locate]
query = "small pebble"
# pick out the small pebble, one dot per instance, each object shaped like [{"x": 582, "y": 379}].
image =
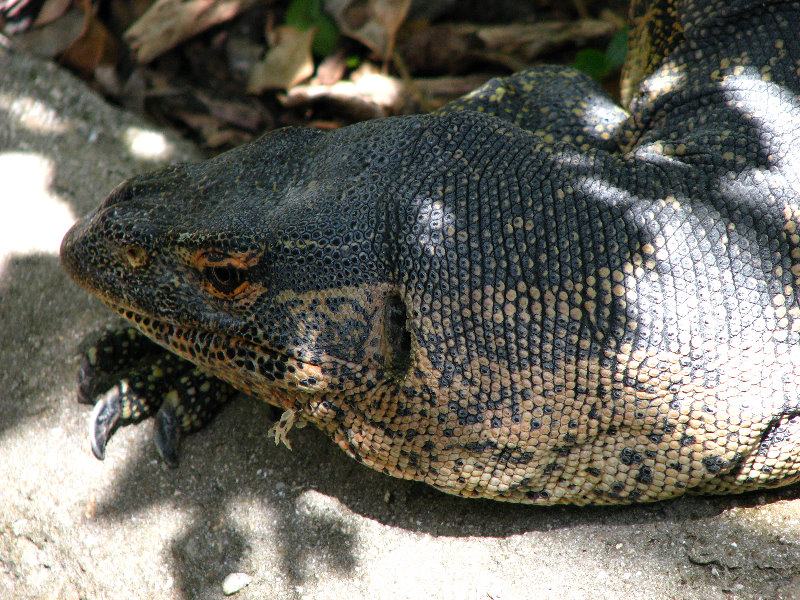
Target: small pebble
[{"x": 235, "y": 582}]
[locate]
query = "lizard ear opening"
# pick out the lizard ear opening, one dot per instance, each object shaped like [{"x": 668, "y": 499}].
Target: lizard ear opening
[{"x": 398, "y": 337}]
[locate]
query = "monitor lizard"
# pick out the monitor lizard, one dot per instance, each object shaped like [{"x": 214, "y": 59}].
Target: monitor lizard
[{"x": 531, "y": 294}]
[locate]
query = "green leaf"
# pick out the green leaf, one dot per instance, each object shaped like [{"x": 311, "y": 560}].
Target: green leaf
[
  {"x": 326, "y": 39},
  {"x": 302, "y": 13},
  {"x": 305, "y": 14},
  {"x": 592, "y": 62},
  {"x": 617, "y": 50},
  {"x": 598, "y": 64}
]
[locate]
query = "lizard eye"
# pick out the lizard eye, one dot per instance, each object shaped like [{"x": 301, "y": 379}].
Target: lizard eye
[{"x": 226, "y": 279}]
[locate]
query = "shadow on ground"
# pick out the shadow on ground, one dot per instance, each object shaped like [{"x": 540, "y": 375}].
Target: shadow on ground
[{"x": 280, "y": 481}]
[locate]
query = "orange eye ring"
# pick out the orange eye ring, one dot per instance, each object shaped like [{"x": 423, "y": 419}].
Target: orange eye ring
[{"x": 226, "y": 275}]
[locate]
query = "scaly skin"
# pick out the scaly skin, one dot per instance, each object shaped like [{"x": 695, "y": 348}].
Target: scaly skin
[{"x": 530, "y": 295}]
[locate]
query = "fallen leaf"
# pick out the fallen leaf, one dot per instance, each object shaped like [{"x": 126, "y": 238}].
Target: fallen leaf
[
  {"x": 211, "y": 132},
  {"x": 237, "y": 114},
  {"x": 169, "y": 22},
  {"x": 51, "y": 10},
  {"x": 18, "y": 15},
  {"x": 530, "y": 40},
  {"x": 331, "y": 69},
  {"x": 96, "y": 45},
  {"x": 438, "y": 91},
  {"x": 53, "y": 39},
  {"x": 439, "y": 49},
  {"x": 373, "y": 23},
  {"x": 368, "y": 95},
  {"x": 287, "y": 62}
]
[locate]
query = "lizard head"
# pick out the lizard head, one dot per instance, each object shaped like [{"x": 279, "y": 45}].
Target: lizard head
[{"x": 268, "y": 265}]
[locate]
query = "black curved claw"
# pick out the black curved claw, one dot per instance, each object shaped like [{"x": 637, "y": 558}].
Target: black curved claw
[
  {"x": 168, "y": 435},
  {"x": 87, "y": 378},
  {"x": 104, "y": 418}
]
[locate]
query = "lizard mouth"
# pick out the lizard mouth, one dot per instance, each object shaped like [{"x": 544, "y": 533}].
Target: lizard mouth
[{"x": 253, "y": 368}]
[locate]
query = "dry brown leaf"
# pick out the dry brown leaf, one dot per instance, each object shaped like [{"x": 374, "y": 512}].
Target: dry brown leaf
[
  {"x": 438, "y": 49},
  {"x": 287, "y": 62},
  {"x": 234, "y": 113},
  {"x": 211, "y": 131},
  {"x": 331, "y": 69},
  {"x": 95, "y": 45},
  {"x": 374, "y": 23},
  {"x": 440, "y": 90},
  {"x": 367, "y": 95},
  {"x": 169, "y": 22},
  {"x": 529, "y": 40},
  {"x": 53, "y": 39},
  {"x": 51, "y": 10}
]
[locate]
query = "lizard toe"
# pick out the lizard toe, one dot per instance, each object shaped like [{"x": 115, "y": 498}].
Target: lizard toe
[{"x": 168, "y": 435}]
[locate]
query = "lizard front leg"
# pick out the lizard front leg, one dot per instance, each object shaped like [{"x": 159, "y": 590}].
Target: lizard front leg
[{"x": 129, "y": 378}]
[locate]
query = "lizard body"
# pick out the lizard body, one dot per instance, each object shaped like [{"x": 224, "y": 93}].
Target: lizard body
[{"x": 529, "y": 295}]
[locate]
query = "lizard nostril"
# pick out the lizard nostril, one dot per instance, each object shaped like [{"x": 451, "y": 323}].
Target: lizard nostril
[{"x": 136, "y": 255}]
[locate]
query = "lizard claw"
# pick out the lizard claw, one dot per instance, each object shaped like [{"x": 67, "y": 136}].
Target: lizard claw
[
  {"x": 149, "y": 382},
  {"x": 104, "y": 417},
  {"x": 168, "y": 435},
  {"x": 87, "y": 381}
]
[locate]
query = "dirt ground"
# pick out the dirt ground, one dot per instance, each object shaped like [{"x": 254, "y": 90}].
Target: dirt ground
[{"x": 309, "y": 523}]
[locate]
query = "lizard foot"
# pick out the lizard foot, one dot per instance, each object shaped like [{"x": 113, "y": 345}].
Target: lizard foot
[
  {"x": 130, "y": 378},
  {"x": 280, "y": 430}
]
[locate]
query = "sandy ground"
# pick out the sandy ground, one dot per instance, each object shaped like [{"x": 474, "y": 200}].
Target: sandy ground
[{"x": 310, "y": 523}]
